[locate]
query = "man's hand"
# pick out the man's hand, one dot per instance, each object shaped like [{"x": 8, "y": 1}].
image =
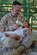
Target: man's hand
[
  {"x": 16, "y": 37},
  {"x": 15, "y": 26}
]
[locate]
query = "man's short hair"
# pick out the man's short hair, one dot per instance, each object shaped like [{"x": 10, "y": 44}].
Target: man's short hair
[{"x": 16, "y": 3}]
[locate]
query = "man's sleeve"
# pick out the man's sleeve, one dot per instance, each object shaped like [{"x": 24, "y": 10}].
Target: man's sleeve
[{"x": 3, "y": 23}]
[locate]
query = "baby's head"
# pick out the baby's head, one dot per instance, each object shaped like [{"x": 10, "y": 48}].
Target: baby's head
[{"x": 26, "y": 24}]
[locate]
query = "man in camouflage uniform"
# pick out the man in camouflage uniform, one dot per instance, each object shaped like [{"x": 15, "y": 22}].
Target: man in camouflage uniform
[{"x": 8, "y": 22}]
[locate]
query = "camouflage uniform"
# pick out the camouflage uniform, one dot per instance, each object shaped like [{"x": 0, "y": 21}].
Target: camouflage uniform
[{"x": 9, "y": 20}]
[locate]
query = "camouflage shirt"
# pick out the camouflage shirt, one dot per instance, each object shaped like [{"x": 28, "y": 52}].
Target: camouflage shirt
[{"x": 9, "y": 20}]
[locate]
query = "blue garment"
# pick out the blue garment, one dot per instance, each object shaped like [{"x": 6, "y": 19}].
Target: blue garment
[{"x": 1, "y": 35}]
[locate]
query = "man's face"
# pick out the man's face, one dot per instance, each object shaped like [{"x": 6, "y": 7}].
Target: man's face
[{"x": 16, "y": 9}]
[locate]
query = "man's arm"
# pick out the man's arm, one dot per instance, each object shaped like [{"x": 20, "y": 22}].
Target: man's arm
[
  {"x": 3, "y": 23},
  {"x": 14, "y": 36}
]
